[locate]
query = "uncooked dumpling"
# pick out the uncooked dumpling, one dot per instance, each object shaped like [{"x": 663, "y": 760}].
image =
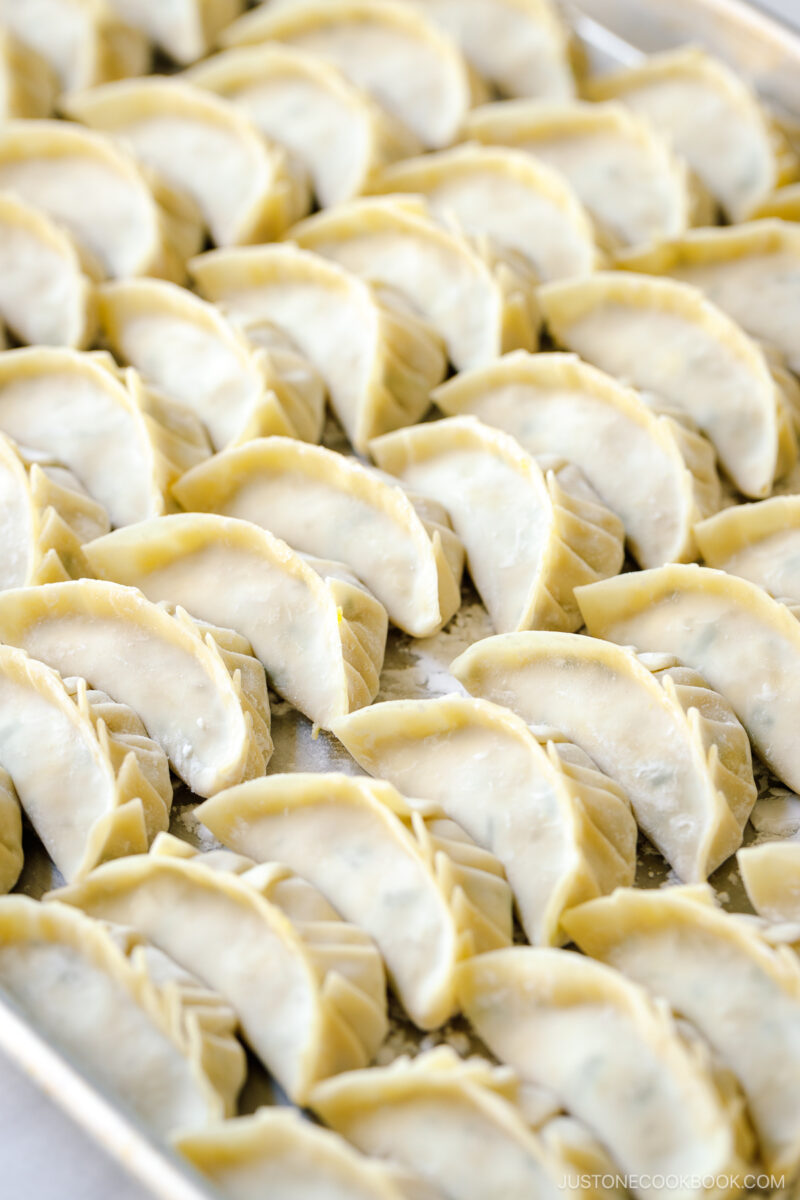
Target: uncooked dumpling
[
  {"x": 771, "y": 875},
  {"x": 759, "y": 542},
  {"x": 28, "y": 83},
  {"x": 184, "y": 30}
]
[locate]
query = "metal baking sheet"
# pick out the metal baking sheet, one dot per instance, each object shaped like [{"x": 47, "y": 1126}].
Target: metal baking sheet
[{"x": 614, "y": 32}]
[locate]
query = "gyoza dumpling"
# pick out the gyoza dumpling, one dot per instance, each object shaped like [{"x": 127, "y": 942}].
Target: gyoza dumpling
[
  {"x": 184, "y": 30},
  {"x": 481, "y": 303},
  {"x": 11, "y": 852},
  {"x": 412, "y": 880},
  {"x": 276, "y": 1150},
  {"x": 759, "y": 542},
  {"x": 711, "y": 117},
  {"x": 83, "y": 41},
  {"x": 614, "y": 1059},
  {"x": 389, "y": 49},
  {"x": 554, "y": 404},
  {"x": 93, "y": 785},
  {"x": 46, "y": 283},
  {"x": 718, "y": 972},
  {"x": 124, "y": 444},
  {"x": 198, "y": 691},
  {"x": 378, "y": 362},
  {"x": 47, "y": 516},
  {"x": 531, "y": 535},
  {"x": 784, "y": 203},
  {"x": 521, "y": 204},
  {"x": 560, "y": 828},
  {"x": 96, "y": 190},
  {"x": 667, "y": 339},
  {"x": 338, "y": 132},
  {"x": 246, "y": 188},
  {"x": 743, "y": 642},
  {"x": 187, "y": 349},
  {"x": 28, "y": 84},
  {"x": 455, "y": 1121},
  {"x": 321, "y": 640},
  {"x": 635, "y": 188},
  {"x": 140, "y": 1027},
  {"x": 307, "y": 988},
  {"x": 751, "y": 272},
  {"x": 771, "y": 875},
  {"x": 671, "y": 743},
  {"x": 331, "y": 506}
]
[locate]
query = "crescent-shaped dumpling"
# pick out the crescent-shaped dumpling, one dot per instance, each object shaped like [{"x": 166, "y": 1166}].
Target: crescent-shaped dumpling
[
  {"x": 192, "y": 354},
  {"x": 614, "y": 1059},
  {"x": 321, "y": 640},
  {"x": 276, "y": 1150},
  {"x": 554, "y": 404},
  {"x": 184, "y": 30},
  {"x": 325, "y": 504},
  {"x": 667, "y": 339},
  {"x": 719, "y": 973},
  {"x": 635, "y": 188},
  {"x": 524, "y": 206},
  {"x": 11, "y": 851},
  {"x": 711, "y": 117},
  {"x": 672, "y": 744},
  {"x": 83, "y": 41},
  {"x": 455, "y": 1121},
  {"x": 143, "y": 1029},
  {"x": 771, "y": 875},
  {"x": 339, "y": 134},
  {"x": 389, "y": 49},
  {"x": 423, "y": 891},
  {"x": 531, "y": 535},
  {"x": 751, "y": 272},
  {"x": 560, "y": 828},
  {"x": 481, "y": 303},
  {"x": 246, "y": 189},
  {"x": 28, "y": 84},
  {"x": 124, "y": 444},
  {"x": 378, "y": 362},
  {"x": 96, "y": 190},
  {"x": 307, "y": 988},
  {"x": 92, "y": 784},
  {"x": 744, "y": 643},
  {"x": 199, "y": 693},
  {"x": 46, "y": 282},
  {"x": 759, "y": 542}
]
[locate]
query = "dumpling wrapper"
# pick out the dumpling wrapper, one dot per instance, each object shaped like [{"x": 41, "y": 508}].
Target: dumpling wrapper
[
  {"x": 28, "y": 84},
  {"x": 184, "y": 30},
  {"x": 187, "y": 349},
  {"x": 321, "y": 640},
  {"x": 141, "y": 1028},
  {"x": 656, "y": 728},
  {"x": 276, "y": 1150},
  {"x": 325, "y": 504},
  {"x": 615, "y": 1059},
  {"x": 98, "y": 192},
  {"x": 522, "y": 205},
  {"x": 711, "y": 117},
  {"x": 742, "y": 994},
  {"x": 200, "y": 695},
  {"x": 339, "y": 134},
  {"x": 561, "y": 829},
  {"x": 666, "y": 339},
  {"x": 379, "y": 363},
  {"x": 771, "y": 876},
  {"x": 554, "y": 404},
  {"x": 751, "y": 272},
  {"x": 759, "y": 542},
  {"x": 480, "y": 302},
  {"x": 531, "y": 535},
  {"x": 246, "y": 188},
  {"x": 307, "y": 988},
  {"x": 422, "y": 890},
  {"x": 385, "y": 47},
  {"x": 744, "y": 643},
  {"x": 124, "y": 444},
  {"x": 784, "y": 203},
  {"x": 11, "y": 850},
  {"x": 82, "y": 41},
  {"x": 626, "y": 176}
]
